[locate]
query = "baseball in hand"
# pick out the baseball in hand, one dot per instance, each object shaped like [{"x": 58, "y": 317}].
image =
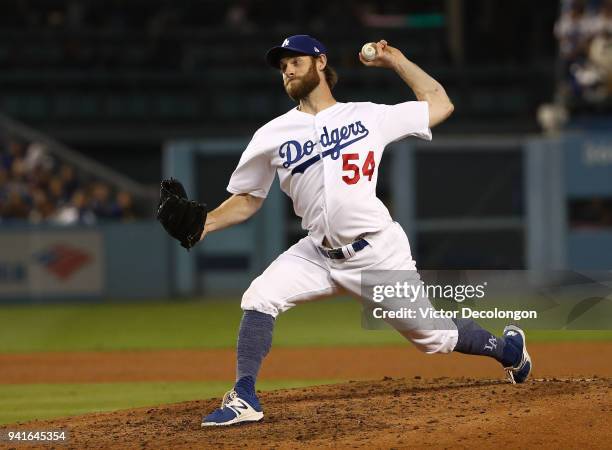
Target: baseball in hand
[{"x": 368, "y": 51}]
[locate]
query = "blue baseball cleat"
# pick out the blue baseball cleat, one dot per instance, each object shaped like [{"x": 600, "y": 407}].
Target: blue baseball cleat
[
  {"x": 518, "y": 372},
  {"x": 235, "y": 408}
]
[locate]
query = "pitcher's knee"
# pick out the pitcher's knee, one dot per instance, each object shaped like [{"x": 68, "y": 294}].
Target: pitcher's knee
[
  {"x": 434, "y": 341},
  {"x": 255, "y": 301}
]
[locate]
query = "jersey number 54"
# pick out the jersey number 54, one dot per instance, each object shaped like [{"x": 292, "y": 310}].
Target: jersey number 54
[{"x": 367, "y": 169}]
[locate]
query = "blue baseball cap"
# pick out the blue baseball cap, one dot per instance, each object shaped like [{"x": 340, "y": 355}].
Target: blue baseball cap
[{"x": 300, "y": 43}]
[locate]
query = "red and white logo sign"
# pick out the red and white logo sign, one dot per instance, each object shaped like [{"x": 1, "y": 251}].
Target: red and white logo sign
[{"x": 62, "y": 260}]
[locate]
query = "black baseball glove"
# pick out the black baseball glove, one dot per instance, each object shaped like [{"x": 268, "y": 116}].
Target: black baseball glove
[{"x": 182, "y": 218}]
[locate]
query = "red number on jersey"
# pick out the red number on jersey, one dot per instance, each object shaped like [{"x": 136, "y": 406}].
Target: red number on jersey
[
  {"x": 368, "y": 166},
  {"x": 352, "y": 167},
  {"x": 367, "y": 169}
]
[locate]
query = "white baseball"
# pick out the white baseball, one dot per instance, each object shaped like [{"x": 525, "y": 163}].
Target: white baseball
[{"x": 368, "y": 51}]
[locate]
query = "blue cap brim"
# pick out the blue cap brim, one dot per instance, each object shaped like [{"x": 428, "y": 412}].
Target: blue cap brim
[{"x": 274, "y": 55}]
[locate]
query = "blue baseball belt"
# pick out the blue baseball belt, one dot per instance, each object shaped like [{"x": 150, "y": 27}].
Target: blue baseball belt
[{"x": 346, "y": 251}]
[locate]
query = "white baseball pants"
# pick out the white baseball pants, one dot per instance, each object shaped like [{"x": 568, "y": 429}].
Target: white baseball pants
[{"x": 302, "y": 274}]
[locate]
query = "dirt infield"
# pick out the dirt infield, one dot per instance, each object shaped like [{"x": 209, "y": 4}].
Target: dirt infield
[
  {"x": 418, "y": 400},
  {"x": 359, "y": 363},
  {"x": 389, "y": 413}
]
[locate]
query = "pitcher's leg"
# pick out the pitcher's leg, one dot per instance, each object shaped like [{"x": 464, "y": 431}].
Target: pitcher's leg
[
  {"x": 389, "y": 261},
  {"x": 254, "y": 342},
  {"x": 468, "y": 337},
  {"x": 510, "y": 349},
  {"x": 412, "y": 316},
  {"x": 298, "y": 275},
  {"x": 474, "y": 340}
]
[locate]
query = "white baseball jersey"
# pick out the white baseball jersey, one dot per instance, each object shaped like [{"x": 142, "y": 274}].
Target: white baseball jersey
[{"x": 328, "y": 164}]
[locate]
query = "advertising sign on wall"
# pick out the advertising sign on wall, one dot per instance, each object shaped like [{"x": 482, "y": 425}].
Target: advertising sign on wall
[
  {"x": 51, "y": 263},
  {"x": 588, "y": 165}
]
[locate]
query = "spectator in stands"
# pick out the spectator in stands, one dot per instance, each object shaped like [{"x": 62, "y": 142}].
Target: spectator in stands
[
  {"x": 69, "y": 179},
  {"x": 57, "y": 193},
  {"x": 14, "y": 207},
  {"x": 100, "y": 200},
  {"x": 34, "y": 186},
  {"x": 602, "y": 22},
  {"x": 124, "y": 205},
  {"x": 17, "y": 177},
  {"x": 3, "y": 186},
  {"x": 15, "y": 151},
  {"x": 3, "y": 177},
  {"x": 77, "y": 211},
  {"x": 574, "y": 31},
  {"x": 600, "y": 50},
  {"x": 36, "y": 156},
  {"x": 43, "y": 207},
  {"x": 6, "y": 161},
  {"x": 593, "y": 76},
  {"x": 39, "y": 178}
]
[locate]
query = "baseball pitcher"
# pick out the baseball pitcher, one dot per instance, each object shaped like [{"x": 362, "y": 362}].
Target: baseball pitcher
[{"x": 326, "y": 154}]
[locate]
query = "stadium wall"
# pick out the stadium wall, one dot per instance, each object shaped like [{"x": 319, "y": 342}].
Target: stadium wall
[{"x": 109, "y": 261}]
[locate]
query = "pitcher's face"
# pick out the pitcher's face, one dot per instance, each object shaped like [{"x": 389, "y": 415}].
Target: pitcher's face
[{"x": 300, "y": 76}]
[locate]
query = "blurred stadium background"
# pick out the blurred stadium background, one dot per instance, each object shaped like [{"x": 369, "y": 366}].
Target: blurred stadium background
[{"x": 99, "y": 100}]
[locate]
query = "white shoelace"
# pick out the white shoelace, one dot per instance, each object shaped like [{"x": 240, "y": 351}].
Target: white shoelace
[
  {"x": 510, "y": 374},
  {"x": 228, "y": 397}
]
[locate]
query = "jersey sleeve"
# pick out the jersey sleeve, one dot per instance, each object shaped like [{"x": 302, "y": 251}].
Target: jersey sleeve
[
  {"x": 399, "y": 121},
  {"x": 254, "y": 174}
]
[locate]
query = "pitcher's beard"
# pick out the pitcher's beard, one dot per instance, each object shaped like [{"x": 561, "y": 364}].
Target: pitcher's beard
[{"x": 300, "y": 88}]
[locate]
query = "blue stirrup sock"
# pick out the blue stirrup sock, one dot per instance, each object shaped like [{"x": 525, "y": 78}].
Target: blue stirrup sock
[
  {"x": 254, "y": 342},
  {"x": 475, "y": 340}
]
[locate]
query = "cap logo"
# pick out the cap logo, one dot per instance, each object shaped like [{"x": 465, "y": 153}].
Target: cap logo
[
  {"x": 285, "y": 43},
  {"x": 317, "y": 50}
]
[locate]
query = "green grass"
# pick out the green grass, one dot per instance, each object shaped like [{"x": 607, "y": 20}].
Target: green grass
[
  {"x": 23, "y": 402},
  {"x": 203, "y": 324},
  {"x": 196, "y": 324},
  {"x": 179, "y": 324}
]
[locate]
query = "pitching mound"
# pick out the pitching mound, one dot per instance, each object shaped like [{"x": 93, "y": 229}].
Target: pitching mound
[{"x": 390, "y": 413}]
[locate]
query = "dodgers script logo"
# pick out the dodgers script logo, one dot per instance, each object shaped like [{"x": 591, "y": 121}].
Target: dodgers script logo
[{"x": 293, "y": 151}]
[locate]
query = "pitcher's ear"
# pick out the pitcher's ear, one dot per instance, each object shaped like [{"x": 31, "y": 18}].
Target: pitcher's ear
[{"x": 321, "y": 61}]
